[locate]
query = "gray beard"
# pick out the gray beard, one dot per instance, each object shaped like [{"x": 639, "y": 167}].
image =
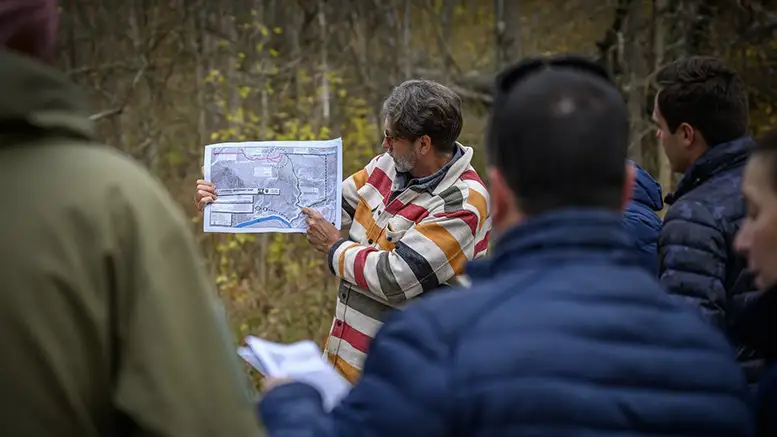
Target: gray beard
[{"x": 405, "y": 163}]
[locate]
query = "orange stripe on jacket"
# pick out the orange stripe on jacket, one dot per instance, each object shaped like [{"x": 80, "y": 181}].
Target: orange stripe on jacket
[
  {"x": 341, "y": 261},
  {"x": 446, "y": 242},
  {"x": 350, "y": 373}
]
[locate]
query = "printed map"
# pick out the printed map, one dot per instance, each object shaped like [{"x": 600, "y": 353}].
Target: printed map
[{"x": 262, "y": 186}]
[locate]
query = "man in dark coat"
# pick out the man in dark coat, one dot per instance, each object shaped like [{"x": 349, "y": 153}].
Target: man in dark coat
[
  {"x": 564, "y": 333},
  {"x": 702, "y": 114}
]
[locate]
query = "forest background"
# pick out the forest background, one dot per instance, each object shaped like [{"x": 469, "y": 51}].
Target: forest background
[{"x": 168, "y": 77}]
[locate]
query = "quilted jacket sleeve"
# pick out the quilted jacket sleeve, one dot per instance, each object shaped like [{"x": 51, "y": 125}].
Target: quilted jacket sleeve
[
  {"x": 402, "y": 392},
  {"x": 643, "y": 226},
  {"x": 692, "y": 259}
]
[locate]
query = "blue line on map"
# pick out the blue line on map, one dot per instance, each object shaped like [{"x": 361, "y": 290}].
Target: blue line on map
[{"x": 263, "y": 219}]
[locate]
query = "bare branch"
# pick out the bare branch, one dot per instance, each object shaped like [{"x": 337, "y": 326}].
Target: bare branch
[
  {"x": 472, "y": 95},
  {"x": 119, "y": 109},
  {"x": 105, "y": 114},
  {"x": 760, "y": 30},
  {"x": 87, "y": 69}
]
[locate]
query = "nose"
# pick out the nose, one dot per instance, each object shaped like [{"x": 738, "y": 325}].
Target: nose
[
  {"x": 386, "y": 143},
  {"x": 742, "y": 240}
]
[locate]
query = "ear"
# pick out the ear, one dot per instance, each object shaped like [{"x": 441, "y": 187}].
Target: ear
[
  {"x": 687, "y": 134},
  {"x": 424, "y": 144},
  {"x": 502, "y": 203},
  {"x": 628, "y": 184}
]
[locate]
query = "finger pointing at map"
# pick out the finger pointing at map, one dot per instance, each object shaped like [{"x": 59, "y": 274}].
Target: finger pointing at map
[
  {"x": 263, "y": 186},
  {"x": 321, "y": 234}
]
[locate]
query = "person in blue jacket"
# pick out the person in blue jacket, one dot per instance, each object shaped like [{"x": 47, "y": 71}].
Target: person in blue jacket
[
  {"x": 701, "y": 110},
  {"x": 641, "y": 220},
  {"x": 756, "y": 324},
  {"x": 563, "y": 333}
]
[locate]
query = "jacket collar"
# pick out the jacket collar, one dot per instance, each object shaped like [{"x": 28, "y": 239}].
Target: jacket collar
[
  {"x": 555, "y": 235},
  {"x": 429, "y": 183},
  {"x": 371, "y": 195},
  {"x": 453, "y": 172},
  {"x": 717, "y": 159},
  {"x": 39, "y": 98}
]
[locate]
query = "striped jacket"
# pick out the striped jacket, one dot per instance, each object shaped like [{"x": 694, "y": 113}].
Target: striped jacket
[{"x": 401, "y": 244}]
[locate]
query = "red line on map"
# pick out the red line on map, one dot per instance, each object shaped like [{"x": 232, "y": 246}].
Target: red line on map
[{"x": 273, "y": 159}]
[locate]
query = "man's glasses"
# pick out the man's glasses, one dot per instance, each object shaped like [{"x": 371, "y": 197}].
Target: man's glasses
[
  {"x": 393, "y": 138},
  {"x": 389, "y": 138}
]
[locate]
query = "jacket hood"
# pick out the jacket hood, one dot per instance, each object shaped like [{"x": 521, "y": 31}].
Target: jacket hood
[
  {"x": 647, "y": 190},
  {"x": 38, "y": 96}
]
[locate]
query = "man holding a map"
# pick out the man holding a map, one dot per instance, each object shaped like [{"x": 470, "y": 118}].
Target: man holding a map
[{"x": 416, "y": 214}]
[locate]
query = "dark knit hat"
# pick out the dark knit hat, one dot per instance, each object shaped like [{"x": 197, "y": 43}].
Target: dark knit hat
[{"x": 29, "y": 27}]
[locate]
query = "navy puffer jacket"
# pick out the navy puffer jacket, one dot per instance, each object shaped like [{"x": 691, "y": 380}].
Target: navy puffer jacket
[
  {"x": 697, "y": 262},
  {"x": 563, "y": 334}
]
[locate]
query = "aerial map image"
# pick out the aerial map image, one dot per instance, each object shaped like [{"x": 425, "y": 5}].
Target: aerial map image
[{"x": 263, "y": 186}]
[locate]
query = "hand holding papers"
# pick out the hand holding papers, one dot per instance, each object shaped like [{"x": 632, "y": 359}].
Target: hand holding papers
[{"x": 299, "y": 361}]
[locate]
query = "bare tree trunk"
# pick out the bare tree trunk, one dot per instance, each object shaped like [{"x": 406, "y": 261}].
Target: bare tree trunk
[
  {"x": 659, "y": 33},
  {"x": 499, "y": 26},
  {"x": 325, "y": 98},
  {"x": 293, "y": 32},
  {"x": 390, "y": 38},
  {"x": 148, "y": 147},
  {"x": 635, "y": 66},
  {"x": 360, "y": 47},
  {"x": 228, "y": 27},
  {"x": 535, "y": 19},
  {"x": 509, "y": 48},
  {"x": 444, "y": 33},
  {"x": 195, "y": 47},
  {"x": 408, "y": 58}
]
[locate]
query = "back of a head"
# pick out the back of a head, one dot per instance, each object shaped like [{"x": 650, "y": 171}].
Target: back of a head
[
  {"x": 705, "y": 93},
  {"x": 560, "y": 137},
  {"x": 29, "y": 27}
]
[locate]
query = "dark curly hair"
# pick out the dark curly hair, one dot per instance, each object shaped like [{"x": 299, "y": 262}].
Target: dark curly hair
[{"x": 705, "y": 93}]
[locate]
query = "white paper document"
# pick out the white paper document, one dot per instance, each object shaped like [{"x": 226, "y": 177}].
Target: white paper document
[
  {"x": 301, "y": 361},
  {"x": 262, "y": 186}
]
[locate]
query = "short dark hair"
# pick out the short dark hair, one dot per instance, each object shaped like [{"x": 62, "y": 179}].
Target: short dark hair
[
  {"x": 560, "y": 135},
  {"x": 423, "y": 107},
  {"x": 705, "y": 93},
  {"x": 766, "y": 148}
]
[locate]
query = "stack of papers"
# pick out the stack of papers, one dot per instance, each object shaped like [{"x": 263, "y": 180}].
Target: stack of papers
[{"x": 301, "y": 361}]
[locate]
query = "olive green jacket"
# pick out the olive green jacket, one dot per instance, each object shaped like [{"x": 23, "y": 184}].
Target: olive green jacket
[{"x": 108, "y": 322}]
